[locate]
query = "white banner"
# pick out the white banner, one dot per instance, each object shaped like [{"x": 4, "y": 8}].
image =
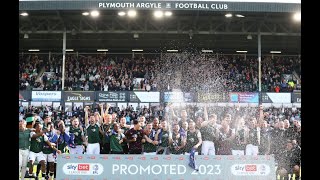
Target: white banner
[
  {"x": 148, "y": 96},
  {"x": 279, "y": 97},
  {"x": 46, "y": 96}
]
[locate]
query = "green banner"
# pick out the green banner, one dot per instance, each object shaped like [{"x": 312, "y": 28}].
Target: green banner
[{"x": 164, "y": 167}]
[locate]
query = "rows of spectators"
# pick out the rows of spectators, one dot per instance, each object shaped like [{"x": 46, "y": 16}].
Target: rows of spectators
[
  {"x": 231, "y": 73},
  {"x": 29, "y": 68},
  {"x": 120, "y": 73}
]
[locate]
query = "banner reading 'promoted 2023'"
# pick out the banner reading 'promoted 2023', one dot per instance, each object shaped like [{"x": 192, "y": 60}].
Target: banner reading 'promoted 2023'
[{"x": 154, "y": 167}]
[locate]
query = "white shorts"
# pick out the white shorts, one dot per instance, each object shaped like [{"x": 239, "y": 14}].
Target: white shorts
[
  {"x": 208, "y": 148},
  {"x": 49, "y": 157},
  {"x": 238, "y": 152},
  {"x": 23, "y": 158},
  {"x": 36, "y": 156},
  {"x": 77, "y": 150},
  {"x": 150, "y": 153},
  {"x": 93, "y": 148},
  {"x": 252, "y": 150}
]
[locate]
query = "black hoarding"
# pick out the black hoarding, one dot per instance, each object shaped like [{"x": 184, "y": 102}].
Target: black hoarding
[
  {"x": 104, "y": 96},
  {"x": 296, "y": 97},
  {"x": 78, "y": 96},
  {"x": 133, "y": 97},
  {"x": 24, "y": 95},
  {"x": 204, "y": 5}
]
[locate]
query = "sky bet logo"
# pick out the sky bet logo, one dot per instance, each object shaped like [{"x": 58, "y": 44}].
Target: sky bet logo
[
  {"x": 246, "y": 168},
  {"x": 71, "y": 167},
  {"x": 88, "y": 169},
  {"x": 83, "y": 167},
  {"x": 250, "y": 169},
  {"x": 79, "y": 167}
]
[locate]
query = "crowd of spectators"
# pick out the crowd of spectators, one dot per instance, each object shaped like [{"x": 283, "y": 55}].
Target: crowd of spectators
[
  {"x": 29, "y": 67},
  {"x": 121, "y": 73},
  {"x": 239, "y": 74}
]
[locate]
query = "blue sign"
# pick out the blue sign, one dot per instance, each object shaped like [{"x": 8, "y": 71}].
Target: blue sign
[{"x": 244, "y": 97}]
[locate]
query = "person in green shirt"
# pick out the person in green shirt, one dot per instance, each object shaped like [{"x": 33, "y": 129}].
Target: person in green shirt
[
  {"x": 116, "y": 140},
  {"x": 38, "y": 138},
  {"x": 24, "y": 143},
  {"x": 93, "y": 129},
  {"x": 106, "y": 128},
  {"x": 124, "y": 127},
  {"x": 79, "y": 138}
]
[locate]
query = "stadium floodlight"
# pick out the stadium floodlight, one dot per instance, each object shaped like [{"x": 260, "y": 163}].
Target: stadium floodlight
[
  {"x": 207, "y": 51},
  {"x": 168, "y": 13},
  {"x": 241, "y": 51},
  {"x": 24, "y": 14},
  {"x": 137, "y": 50},
  {"x": 85, "y": 13},
  {"x": 158, "y": 14},
  {"x": 172, "y": 50},
  {"x": 25, "y": 36},
  {"x": 239, "y": 15},
  {"x": 102, "y": 50},
  {"x": 70, "y": 50},
  {"x": 275, "y": 52},
  {"x": 297, "y": 16},
  {"x": 121, "y": 13},
  {"x": 132, "y": 13},
  {"x": 95, "y": 13},
  {"x": 229, "y": 15},
  {"x": 34, "y": 50}
]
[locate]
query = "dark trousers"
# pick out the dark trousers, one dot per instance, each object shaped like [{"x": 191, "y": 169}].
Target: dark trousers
[
  {"x": 135, "y": 151},
  {"x": 125, "y": 149},
  {"x": 116, "y": 152},
  {"x": 105, "y": 148}
]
